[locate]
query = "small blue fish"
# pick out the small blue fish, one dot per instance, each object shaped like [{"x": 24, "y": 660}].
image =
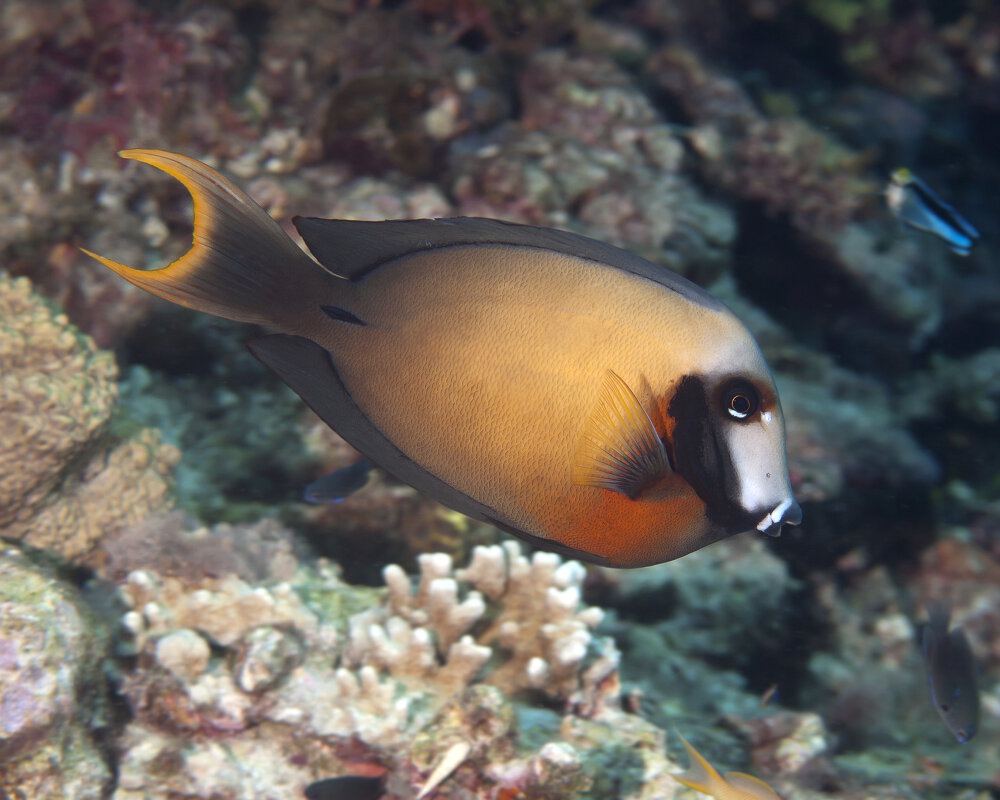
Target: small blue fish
[
  {"x": 914, "y": 203},
  {"x": 339, "y": 484},
  {"x": 951, "y": 673}
]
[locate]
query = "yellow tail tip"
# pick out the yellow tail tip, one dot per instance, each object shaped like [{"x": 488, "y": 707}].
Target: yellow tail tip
[
  {"x": 240, "y": 259},
  {"x": 122, "y": 269}
]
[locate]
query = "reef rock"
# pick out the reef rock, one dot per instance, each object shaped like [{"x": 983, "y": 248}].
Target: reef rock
[
  {"x": 590, "y": 145},
  {"x": 51, "y": 688},
  {"x": 63, "y": 483}
]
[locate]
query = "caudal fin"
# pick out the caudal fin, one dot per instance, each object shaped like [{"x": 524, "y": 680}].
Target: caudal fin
[{"x": 241, "y": 264}]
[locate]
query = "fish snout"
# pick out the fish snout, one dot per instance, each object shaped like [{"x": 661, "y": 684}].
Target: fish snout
[{"x": 787, "y": 512}]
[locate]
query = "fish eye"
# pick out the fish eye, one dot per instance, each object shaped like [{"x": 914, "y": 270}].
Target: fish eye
[{"x": 740, "y": 399}]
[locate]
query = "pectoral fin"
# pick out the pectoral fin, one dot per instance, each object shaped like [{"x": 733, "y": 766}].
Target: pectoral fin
[{"x": 620, "y": 449}]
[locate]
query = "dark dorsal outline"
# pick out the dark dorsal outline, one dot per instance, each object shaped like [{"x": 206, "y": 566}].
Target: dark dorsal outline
[{"x": 355, "y": 249}]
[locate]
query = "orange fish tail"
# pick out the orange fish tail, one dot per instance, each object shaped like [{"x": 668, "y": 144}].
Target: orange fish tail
[{"x": 241, "y": 264}]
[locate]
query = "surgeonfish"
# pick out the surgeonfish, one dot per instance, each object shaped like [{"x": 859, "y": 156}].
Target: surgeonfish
[
  {"x": 346, "y": 787},
  {"x": 564, "y": 390},
  {"x": 702, "y": 777},
  {"x": 914, "y": 203},
  {"x": 951, "y": 673}
]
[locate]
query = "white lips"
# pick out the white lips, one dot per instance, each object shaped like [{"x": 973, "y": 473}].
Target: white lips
[{"x": 767, "y": 525}]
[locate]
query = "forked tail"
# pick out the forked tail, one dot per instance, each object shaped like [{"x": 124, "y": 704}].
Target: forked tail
[{"x": 241, "y": 264}]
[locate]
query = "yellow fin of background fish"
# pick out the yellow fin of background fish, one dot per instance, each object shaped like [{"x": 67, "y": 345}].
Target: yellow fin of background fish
[
  {"x": 702, "y": 777},
  {"x": 620, "y": 449}
]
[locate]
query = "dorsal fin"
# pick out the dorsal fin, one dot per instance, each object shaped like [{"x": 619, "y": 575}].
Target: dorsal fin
[{"x": 353, "y": 249}]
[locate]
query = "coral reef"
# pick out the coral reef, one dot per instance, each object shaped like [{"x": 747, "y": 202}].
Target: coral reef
[
  {"x": 968, "y": 579},
  {"x": 870, "y": 683},
  {"x": 743, "y": 144},
  {"x": 788, "y": 166},
  {"x": 902, "y": 52},
  {"x": 403, "y": 96},
  {"x": 228, "y": 667},
  {"x": 95, "y": 72},
  {"x": 52, "y": 691},
  {"x": 590, "y": 150},
  {"x": 514, "y": 27},
  {"x": 64, "y": 484},
  {"x": 231, "y": 471},
  {"x": 690, "y": 649},
  {"x": 970, "y": 386}
]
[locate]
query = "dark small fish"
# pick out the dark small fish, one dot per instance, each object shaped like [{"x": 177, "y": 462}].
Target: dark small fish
[
  {"x": 914, "y": 203},
  {"x": 951, "y": 673},
  {"x": 339, "y": 484},
  {"x": 346, "y": 787}
]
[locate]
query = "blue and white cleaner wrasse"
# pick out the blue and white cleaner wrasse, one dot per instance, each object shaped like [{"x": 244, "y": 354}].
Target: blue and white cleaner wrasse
[
  {"x": 564, "y": 390},
  {"x": 914, "y": 203}
]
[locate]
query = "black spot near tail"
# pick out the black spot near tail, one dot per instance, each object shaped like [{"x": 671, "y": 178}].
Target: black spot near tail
[{"x": 342, "y": 315}]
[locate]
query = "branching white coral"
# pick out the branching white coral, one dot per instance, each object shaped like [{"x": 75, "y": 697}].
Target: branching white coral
[{"x": 443, "y": 629}]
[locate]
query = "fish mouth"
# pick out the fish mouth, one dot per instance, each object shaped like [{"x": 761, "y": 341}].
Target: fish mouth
[{"x": 786, "y": 512}]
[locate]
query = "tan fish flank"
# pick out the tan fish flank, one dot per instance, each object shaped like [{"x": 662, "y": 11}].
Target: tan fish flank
[{"x": 568, "y": 391}]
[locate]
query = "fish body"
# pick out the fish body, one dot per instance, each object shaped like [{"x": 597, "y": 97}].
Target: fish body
[
  {"x": 565, "y": 390},
  {"x": 951, "y": 673},
  {"x": 702, "y": 777},
  {"x": 914, "y": 203}
]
